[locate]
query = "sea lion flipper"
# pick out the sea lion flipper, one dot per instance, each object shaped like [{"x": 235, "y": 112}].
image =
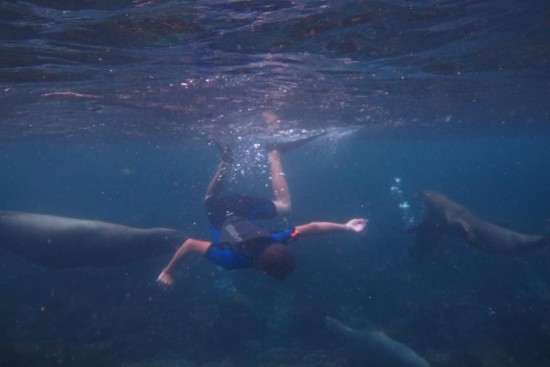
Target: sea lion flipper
[
  {"x": 287, "y": 146},
  {"x": 466, "y": 230}
]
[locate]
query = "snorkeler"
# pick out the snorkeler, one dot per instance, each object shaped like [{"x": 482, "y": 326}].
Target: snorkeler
[{"x": 238, "y": 242}]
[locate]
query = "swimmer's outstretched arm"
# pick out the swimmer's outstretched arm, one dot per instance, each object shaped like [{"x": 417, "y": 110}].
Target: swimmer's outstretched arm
[
  {"x": 354, "y": 225},
  {"x": 191, "y": 245}
]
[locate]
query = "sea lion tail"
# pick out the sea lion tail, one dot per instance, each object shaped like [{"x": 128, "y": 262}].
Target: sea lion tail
[
  {"x": 335, "y": 325},
  {"x": 542, "y": 242}
]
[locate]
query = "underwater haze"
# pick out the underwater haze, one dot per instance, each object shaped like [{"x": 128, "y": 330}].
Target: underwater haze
[{"x": 107, "y": 109}]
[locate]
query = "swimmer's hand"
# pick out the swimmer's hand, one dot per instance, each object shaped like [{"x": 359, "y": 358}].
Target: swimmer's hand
[
  {"x": 165, "y": 280},
  {"x": 357, "y": 225}
]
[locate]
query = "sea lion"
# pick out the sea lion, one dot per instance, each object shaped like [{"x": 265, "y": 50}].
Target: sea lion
[
  {"x": 374, "y": 348},
  {"x": 59, "y": 242},
  {"x": 444, "y": 216}
]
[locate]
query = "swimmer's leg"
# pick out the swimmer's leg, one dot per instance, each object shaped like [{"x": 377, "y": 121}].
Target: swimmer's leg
[
  {"x": 281, "y": 192},
  {"x": 282, "y": 200},
  {"x": 217, "y": 182}
]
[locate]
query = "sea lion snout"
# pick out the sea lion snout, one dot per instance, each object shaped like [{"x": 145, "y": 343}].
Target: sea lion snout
[{"x": 423, "y": 195}]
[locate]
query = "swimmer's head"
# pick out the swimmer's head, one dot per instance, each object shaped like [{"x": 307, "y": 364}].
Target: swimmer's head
[{"x": 277, "y": 261}]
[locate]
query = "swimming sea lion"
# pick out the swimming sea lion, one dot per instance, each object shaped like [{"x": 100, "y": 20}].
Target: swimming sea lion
[
  {"x": 374, "y": 348},
  {"x": 444, "y": 216},
  {"x": 60, "y": 242}
]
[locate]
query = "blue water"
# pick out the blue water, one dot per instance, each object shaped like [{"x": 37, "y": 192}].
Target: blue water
[{"x": 106, "y": 110}]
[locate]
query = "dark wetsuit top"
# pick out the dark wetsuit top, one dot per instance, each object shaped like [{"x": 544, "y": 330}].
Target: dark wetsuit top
[{"x": 238, "y": 241}]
